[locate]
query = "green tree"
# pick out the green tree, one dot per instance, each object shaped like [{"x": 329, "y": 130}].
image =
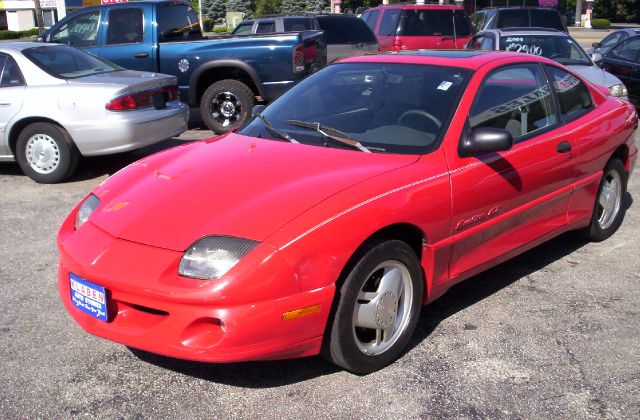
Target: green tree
[
  {"x": 267, "y": 7},
  {"x": 243, "y": 6},
  {"x": 214, "y": 9},
  {"x": 317, "y": 6},
  {"x": 294, "y": 7}
]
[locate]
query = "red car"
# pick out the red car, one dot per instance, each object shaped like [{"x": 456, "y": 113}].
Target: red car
[
  {"x": 412, "y": 26},
  {"x": 364, "y": 192}
]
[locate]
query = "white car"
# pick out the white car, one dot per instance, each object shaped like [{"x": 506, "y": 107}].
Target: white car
[
  {"x": 58, "y": 103},
  {"x": 552, "y": 44}
]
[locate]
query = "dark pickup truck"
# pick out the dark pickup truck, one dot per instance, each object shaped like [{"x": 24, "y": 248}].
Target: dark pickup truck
[{"x": 224, "y": 76}]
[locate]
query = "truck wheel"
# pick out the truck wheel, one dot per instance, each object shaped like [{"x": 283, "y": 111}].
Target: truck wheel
[
  {"x": 226, "y": 105},
  {"x": 46, "y": 153}
]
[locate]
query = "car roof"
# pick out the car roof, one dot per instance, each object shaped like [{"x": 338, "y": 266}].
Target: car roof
[
  {"x": 17, "y": 46},
  {"x": 417, "y": 6},
  {"x": 526, "y": 31},
  {"x": 469, "y": 59}
]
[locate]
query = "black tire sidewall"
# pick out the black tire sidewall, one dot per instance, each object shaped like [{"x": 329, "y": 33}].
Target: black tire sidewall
[
  {"x": 68, "y": 153},
  {"x": 594, "y": 232},
  {"x": 342, "y": 349},
  {"x": 240, "y": 90}
]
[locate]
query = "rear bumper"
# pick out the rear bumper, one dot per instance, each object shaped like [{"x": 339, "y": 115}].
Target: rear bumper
[
  {"x": 128, "y": 130},
  {"x": 151, "y": 308}
]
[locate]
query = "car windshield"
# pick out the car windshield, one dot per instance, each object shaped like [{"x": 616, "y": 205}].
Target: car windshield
[
  {"x": 384, "y": 107},
  {"x": 66, "y": 62},
  {"x": 562, "y": 49}
]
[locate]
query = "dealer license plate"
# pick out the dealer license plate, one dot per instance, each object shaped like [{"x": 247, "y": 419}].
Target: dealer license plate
[{"x": 88, "y": 297}]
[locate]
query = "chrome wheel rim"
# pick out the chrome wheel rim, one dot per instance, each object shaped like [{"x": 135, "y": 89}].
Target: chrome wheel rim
[
  {"x": 383, "y": 308},
  {"x": 43, "y": 153},
  {"x": 226, "y": 108},
  {"x": 609, "y": 199}
]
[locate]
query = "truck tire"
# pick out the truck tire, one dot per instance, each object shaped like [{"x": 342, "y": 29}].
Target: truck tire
[
  {"x": 46, "y": 153},
  {"x": 226, "y": 105}
]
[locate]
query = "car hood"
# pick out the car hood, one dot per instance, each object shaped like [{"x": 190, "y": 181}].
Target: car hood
[
  {"x": 232, "y": 185},
  {"x": 596, "y": 75}
]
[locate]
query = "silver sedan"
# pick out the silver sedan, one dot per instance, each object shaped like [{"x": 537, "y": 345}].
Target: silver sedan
[{"x": 58, "y": 103}]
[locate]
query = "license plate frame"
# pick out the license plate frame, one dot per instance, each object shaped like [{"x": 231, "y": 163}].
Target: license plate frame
[{"x": 89, "y": 297}]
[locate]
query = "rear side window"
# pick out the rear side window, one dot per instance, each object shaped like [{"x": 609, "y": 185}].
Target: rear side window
[
  {"x": 514, "y": 18},
  {"x": 613, "y": 39},
  {"x": 266, "y": 27},
  {"x": 371, "y": 18},
  {"x": 11, "y": 75},
  {"x": 176, "y": 22},
  {"x": 515, "y": 98},
  {"x": 546, "y": 19},
  {"x": 575, "y": 99},
  {"x": 628, "y": 50},
  {"x": 434, "y": 23},
  {"x": 125, "y": 26},
  {"x": 389, "y": 22},
  {"x": 343, "y": 30},
  {"x": 243, "y": 29},
  {"x": 297, "y": 24}
]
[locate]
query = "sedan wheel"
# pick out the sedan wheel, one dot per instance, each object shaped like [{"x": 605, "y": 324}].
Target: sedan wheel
[
  {"x": 377, "y": 309},
  {"x": 43, "y": 153}
]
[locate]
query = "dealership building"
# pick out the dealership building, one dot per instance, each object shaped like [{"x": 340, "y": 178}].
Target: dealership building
[{"x": 20, "y": 15}]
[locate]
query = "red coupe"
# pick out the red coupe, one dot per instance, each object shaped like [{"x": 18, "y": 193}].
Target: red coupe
[{"x": 364, "y": 192}]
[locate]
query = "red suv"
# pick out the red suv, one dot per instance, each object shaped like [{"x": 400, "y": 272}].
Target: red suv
[{"x": 411, "y": 26}]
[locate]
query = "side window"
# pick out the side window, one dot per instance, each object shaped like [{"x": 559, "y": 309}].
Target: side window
[
  {"x": 475, "y": 42},
  {"x": 125, "y": 26},
  {"x": 515, "y": 98},
  {"x": 613, "y": 39},
  {"x": 243, "y": 29},
  {"x": 486, "y": 43},
  {"x": 389, "y": 22},
  {"x": 574, "y": 97},
  {"x": 628, "y": 50},
  {"x": 266, "y": 27},
  {"x": 371, "y": 17},
  {"x": 11, "y": 75},
  {"x": 79, "y": 31}
]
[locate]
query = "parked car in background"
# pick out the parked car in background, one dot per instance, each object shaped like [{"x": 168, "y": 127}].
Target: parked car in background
[
  {"x": 362, "y": 193},
  {"x": 611, "y": 40},
  {"x": 411, "y": 26},
  {"x": 623, "y": 60},
  {"x": 518, "y": 17},
  {"x": 224, "y": 76},
  {"x": 345, "y": 35},
  {"x": 555, "y": 45},
  {"x": 58, "y": 103}
]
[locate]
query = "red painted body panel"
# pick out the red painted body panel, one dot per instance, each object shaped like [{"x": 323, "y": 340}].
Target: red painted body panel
[{"x": 311, "y": 208}]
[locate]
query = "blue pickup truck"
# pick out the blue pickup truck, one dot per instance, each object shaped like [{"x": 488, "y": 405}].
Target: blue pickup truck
[{"x": 224, "y": 76}]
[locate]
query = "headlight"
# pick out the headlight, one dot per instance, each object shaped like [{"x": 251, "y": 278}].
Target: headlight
[
  {"x": 85, "y": 210},
  {"x": 212, "y": 256},
  {"x": 618, "y": 91}
]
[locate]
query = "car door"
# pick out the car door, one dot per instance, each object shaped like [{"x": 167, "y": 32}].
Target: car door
[
  {"x": 387, "y": 29},
  {"x": 128, "y": 42},
  {"x": 622, "y": 61},
  {"x": 502, "y": 201},
  {"x": 80, "y": 31},
  {"x": 12, "y": 87}
]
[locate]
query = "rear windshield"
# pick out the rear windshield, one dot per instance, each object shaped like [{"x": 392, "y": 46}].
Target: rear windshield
[
  {"x": 177, "y": 22},
  {"x": 66, "y": 62},
  {"x": 296, "y": 24},
  {"x": 434, "y": 23},
  {"x": 561, "y": 49},
  {"x": 342, "y": 30},
  {"x": 540, "y": 18},
  {"x": 546, "y": 19}
]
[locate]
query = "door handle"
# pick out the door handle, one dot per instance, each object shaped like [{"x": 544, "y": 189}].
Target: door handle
[
  {"x": 140, "y": 55},
  {"x": 563, "y": 147},
  {"x": 5, "y": 103}
]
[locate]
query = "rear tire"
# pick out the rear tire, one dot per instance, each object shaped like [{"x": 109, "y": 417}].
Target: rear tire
[
  {"x": 226, "y": 105},
  {"x": 46, "y": 153},
  {"x": 378, "y": 308},
  {"x": 608, "y": 211}
]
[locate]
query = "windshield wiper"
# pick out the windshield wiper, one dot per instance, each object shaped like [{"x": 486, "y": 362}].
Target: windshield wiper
[
  {"x": 330, "y": 133},
  {"x": 274, "y": 131}
]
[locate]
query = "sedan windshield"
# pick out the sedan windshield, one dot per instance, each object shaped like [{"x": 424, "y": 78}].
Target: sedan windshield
[
  {"x": 372, "y": 107},
  {"x": 66, "y": 62},
  {"x": 561, "y": 49}
]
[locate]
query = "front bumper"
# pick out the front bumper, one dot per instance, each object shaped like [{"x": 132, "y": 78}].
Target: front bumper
[
  {"x": 152, "y": 308},
  {"x": 122, "y": 131}
]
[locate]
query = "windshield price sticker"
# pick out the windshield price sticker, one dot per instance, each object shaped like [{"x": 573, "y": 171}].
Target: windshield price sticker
[{"x": 524, "y": 48}]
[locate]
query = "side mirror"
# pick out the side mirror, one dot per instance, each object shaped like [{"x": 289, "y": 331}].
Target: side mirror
[
  {"x": 596, "y": 45},
  {"x": 39, "y": 39},
  {"x": 596, "y": 57},
  {"x": 257, "y": 109},
  {"x": 486, "y": 140}
]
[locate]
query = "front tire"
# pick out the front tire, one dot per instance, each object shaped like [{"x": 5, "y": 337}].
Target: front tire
[
  {"x": 608, "y": 211},
  {"x": 46, "y": 153},
  {"x": 378, "y": 308},
  {"x": 226, "y": 105}
]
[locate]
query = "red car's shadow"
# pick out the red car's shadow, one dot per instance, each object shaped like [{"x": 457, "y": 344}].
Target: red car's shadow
[{"x": 278, "y": 373}]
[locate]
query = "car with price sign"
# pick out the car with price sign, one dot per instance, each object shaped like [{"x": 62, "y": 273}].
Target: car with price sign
[
  {"x": 552, "y": 44},
  {"x": 362, "y": 193}
]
